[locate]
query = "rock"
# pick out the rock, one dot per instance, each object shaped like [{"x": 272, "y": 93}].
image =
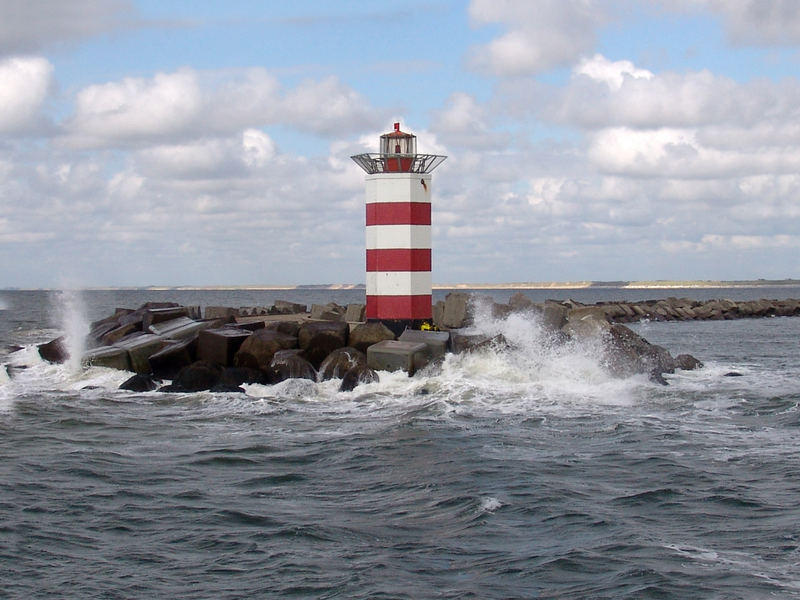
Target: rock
[
  {"x": 139, "y": 383},
  {"x": 153, "y": 316},
  {"x": 733, "y": 374},
  {"x": 583, "y": 324},
  {"x": 393, "y": 355},
  {"x": 436, "y": 341},
  {"x": 140, "y": 349},
  {"x": 687, "y": 362},
  {"x": 221, "y": 312},
  {"x": 287, "y": 327},
  {"x": 355, "y": 313},
  {"x": 338, "y": 362},
  {"x": 495, "y": 343},
  {"x": 179, "y": 328},
  {"x": 438, "y": 314},
  {"x": 282, "y": 307},
  {"x": 552, "y": 316},
  {"x": 457, "y": 312},
  {"x": 628, "y": 353},
  {"x": 320, "y": 338},
  {"x": 464, "y": 342},
  {"x": 226, "y": 388},
  {"x": 219, "y": 346},
  {"x": 167, "y": 362},
  {"x": 327, "y": 312},
  {"x": 196, "y": 377},
  {"x": 55, "y": 351},
  {"x": 519, "y": 302},
  {"x": 236, "y": 376},
  {"x": 118, "y": 333},
  {"x": 288, "y": 364},
  {"x": 109, "y": 357},
  {"x": 362, "y": 336},
  {"x": 357, "y": 375},
  {"x": 257, "y": 350}
]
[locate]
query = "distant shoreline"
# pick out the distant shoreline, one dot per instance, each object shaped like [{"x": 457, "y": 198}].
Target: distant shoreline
[{"x": 535, "y": 285}]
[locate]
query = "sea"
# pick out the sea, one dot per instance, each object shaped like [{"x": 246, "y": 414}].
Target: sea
[{"x": 526, "y": 473}]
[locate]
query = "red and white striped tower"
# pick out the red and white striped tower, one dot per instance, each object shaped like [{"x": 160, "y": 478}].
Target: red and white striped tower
[{"x": 399, "y": 231}]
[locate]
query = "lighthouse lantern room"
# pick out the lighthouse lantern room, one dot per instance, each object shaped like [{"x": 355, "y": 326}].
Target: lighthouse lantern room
[{"x": 398, "y": 228}]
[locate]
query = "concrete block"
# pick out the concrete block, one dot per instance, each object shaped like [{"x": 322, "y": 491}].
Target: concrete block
[
  {"x": 140, "y": 349},
  {"x": 355, "y": 313},
  {"x": 436, "y": 341},
  {"x": 394, "y": 355},
  {"x": 167, "y": 362},
  {"x": 181, "y": 328},
  {"x": 116, "y": 334},
  {"x": 159, "y": 315},
  {"x": 220, "y": 312},
  {"x": 218, "y": 346},
  {"x": 283, "y": 307},
  {"x": 109, "y": 356}
]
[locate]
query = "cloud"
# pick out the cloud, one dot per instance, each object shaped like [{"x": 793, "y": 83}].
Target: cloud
[
  {"x": 25, "y": 83},
  {"x": 759, "y": 22},
  {"x": 463, "y": 122},
  {"x": 32, "y": 25},
  {"x": 540, "y": 35},
  {"x": 191, "y": 104}
]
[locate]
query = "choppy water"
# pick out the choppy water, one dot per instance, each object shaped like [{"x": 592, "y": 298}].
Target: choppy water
[{"x": 528, "y": 474}]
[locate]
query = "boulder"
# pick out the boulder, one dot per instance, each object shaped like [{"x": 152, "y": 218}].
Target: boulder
[
  {"x": 139, "y": 383},
  {"x": 464, "y": 342},
  {"x": 226, "y": 388},
  {"x": 552, "y": 316},
  {"x": 219, "y": 346},
  {"x": 519, "y": 302},
  {"x": 221, "y": 312},
  {"x": 627, "y": 353},
  {"x": 320, "y": 338},
  {"x": 327, "y": 312},
  {"x": 355, "y": 313},
  {"x": 687, "y": 362},
  {"x": 236, "y": 376},
  {"x": 357, "y": 375},
  {"x": 436, "y": 341},
  {"x": 167, "y": 362},
  {"x": 257, "y": 350},
  {"x": 457, "y": 312},
  {"x": 338, "y": 362},
  {"x": 55, "y": 351},
  {"x": 196, "y": 377},
  {"x": 586, "y": 323},
  {"x": 112, "y": 337},
  {"x": 393, "y": 355},
  {"x": 362, "y": 336},
  {"x": 159, "y": 315},
  {"x": 282, "y": 307},
  {"x": 140, "y": 349},
  {"x": 288, "y": 364},
  {"x": 109, "y": 357},
  {"x": 287, "y": 327}
]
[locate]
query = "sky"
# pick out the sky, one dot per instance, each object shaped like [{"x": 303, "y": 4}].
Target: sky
[{"x": 153, "y": 142}]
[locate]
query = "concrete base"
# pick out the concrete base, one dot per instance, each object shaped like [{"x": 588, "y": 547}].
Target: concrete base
[
  {"x": 393, "y": 355},
  {"x": 436, "y": 341}
]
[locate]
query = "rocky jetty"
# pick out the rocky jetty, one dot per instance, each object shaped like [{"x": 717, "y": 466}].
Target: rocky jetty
[{"x": 174, "y": 348}]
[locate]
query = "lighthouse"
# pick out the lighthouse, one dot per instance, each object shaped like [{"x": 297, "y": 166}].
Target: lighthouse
[{"x": 398, "y": 227}]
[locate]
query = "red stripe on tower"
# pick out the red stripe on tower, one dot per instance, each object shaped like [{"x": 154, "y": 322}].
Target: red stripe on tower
[
  {"x": 398, "y": 213},
  {"x": 397, "y": 259}
]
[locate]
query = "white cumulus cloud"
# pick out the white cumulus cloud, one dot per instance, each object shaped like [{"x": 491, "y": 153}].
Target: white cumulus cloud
[{"x": 25, "y": 83}]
